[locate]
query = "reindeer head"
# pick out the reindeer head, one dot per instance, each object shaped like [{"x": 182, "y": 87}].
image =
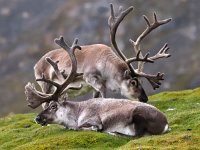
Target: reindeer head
[
  {"x": 113, "y": 22},
  {"x": 52, "y": 114},
  {"x": 48, "y": 115},
  {"x": 132, "y": 88}
]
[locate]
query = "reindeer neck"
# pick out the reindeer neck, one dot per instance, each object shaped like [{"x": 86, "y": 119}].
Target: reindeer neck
[{"x": 68, "y": 114}]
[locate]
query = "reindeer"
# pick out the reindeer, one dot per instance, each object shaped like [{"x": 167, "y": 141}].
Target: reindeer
[
  {"x": 116, "y": 117},
  {"x": 101, "y": 67}
]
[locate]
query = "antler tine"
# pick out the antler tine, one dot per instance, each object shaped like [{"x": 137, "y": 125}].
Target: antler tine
[
  {"x": 150, "y": 27},
  {"x": 60, "y": 74},
  {"x": 162, "y": 53},
  {"x": 60, "y": 41},
  {"x": 138, "y": 58},
  {"x": 54, "y": 64},
  {"x": 34, "y": 97},
  {"x": 48, "y": 81},
  {"x": 78, "y": 75},
  {"x": 72, "y": 88},
  {"x": 113, "y": 23},
  {"x": 147, "y": 21},
  {"x": 154, "y": 80}
]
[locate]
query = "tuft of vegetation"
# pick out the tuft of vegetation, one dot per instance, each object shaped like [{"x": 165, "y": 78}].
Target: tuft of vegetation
[{"x": 182, "y": 108}]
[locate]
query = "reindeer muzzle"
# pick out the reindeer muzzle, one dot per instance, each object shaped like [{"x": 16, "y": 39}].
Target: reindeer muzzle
[
  {"x": 143, "y": 97},
  {"x": 41, "y": 121}
]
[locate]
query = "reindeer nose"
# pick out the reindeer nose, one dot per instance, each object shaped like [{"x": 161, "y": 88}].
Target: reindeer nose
[{"x": 38, "y": 119}]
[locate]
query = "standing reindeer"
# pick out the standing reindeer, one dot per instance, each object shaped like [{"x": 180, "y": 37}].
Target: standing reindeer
[
  {"x": 101, "y": 67},
  {"x": 113, "y": 116}
]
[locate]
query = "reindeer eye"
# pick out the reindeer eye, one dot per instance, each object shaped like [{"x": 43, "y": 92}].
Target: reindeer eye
[
  {"x": 134, "y": 82},
  {"x": 53, "y": 107}
]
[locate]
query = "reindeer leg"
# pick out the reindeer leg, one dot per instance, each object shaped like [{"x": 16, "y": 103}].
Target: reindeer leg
[
  {"x": 89, "y": 127},
  {"x": 96, "y": 94},
  {"x": 100, "y": 89},
  {"x": 118, "y": 134},
  {"x": 94, "y": 79},
  {"x": 93, "y": 123},
  {"x": 103, "y": 92}
]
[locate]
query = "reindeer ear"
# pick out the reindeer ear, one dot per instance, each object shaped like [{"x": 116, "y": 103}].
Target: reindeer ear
[{"x": 127, "y": 74}]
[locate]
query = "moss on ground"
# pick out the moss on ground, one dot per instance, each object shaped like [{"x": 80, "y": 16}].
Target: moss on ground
[{"x": 20, "y": 132}]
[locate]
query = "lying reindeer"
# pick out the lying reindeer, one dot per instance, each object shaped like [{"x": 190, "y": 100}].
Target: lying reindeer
[
  {"x": 102, "y": 68},
  {"x": 113, "y": 116}
]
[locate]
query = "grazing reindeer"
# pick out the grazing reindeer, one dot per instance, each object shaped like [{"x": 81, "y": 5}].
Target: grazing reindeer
[
  {"x": 101, "y": 67},
  {"x": 113, "y": 116}
]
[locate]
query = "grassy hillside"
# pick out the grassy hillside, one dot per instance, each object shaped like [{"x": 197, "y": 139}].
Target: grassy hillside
[{"x": 182, "y": 108}]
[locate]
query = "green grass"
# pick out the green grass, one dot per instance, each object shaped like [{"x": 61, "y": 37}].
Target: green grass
[{"x": 182, "y": 108}]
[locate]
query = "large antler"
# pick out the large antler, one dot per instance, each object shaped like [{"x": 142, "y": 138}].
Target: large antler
[
  {"x": 114, "y": 21},
  {"x": 153, "y": 79},
  {"x": 36, "y": 98}
]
